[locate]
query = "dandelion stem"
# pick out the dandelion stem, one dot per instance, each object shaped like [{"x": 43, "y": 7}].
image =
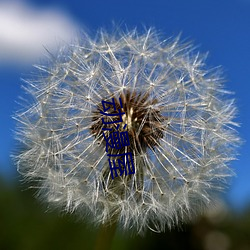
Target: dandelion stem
[{"x": 105, "y": 236}]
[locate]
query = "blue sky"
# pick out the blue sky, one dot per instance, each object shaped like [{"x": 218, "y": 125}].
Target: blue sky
[{"x": 221, "y": 27}]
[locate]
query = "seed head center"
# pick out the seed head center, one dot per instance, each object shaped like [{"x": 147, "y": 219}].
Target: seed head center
[
  {"x": 144, "y": 130},
  {"x": 127, "y": 119}
]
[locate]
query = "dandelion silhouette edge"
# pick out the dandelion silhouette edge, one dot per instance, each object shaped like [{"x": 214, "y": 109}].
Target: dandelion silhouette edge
[{"x": 180, "y": 123}]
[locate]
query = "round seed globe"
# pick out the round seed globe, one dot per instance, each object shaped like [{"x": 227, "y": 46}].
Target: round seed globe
[{"x": 178, "y": 121}]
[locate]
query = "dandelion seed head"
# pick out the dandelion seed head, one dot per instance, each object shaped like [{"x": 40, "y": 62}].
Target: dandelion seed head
[{"x": 179, "y": 119}]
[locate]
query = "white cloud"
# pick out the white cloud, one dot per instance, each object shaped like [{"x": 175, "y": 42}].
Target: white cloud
[{"x": 25, "y": 31}]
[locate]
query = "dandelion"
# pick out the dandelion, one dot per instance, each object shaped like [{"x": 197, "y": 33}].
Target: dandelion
[{"x": 178, "y": 118}]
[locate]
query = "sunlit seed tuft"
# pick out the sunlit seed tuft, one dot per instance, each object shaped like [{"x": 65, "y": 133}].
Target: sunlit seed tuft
[{"x": 179, "y": 119}]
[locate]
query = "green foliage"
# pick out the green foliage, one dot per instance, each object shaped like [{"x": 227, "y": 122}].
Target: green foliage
[{"x": 25, "y": 226}]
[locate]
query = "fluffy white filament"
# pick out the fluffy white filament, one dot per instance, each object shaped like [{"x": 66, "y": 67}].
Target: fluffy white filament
[{"x": 176, "y": 178}]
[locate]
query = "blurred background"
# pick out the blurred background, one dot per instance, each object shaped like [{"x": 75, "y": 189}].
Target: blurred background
[{"x": 29, "y": 28}]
